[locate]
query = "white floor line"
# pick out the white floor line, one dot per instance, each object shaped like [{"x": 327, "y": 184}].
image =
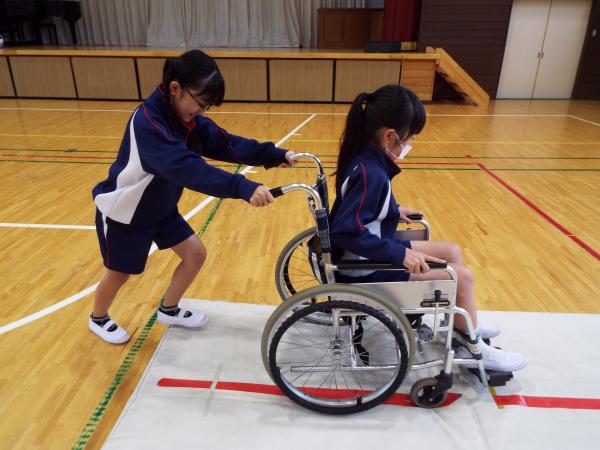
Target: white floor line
[
  {"x": 466, "y": 115},
  {"x": 585, "y": 120},
  {"x": 44, "y": 312},
  {"x": 10, "y": 108},
  {"x": 275, "y": 113},
  {"x": 499, "y": 115},
  {"x": 72, "y": 299},
  {"x": 46, "y": 225}
]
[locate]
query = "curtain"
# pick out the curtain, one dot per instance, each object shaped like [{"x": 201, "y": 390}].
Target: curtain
[
  {"x": 166, "y": 23},
  {"x": 241, "y": 23},
  {"x": 343, "y": 3},
  {"x": 113, "y": 22},
  {"x": 401, "y": 20},
  {"x": 200, "y": 23}
]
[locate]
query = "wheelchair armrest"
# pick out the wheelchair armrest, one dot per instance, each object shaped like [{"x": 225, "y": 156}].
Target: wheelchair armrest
[
  {"x": 372, "y": 265},
  {"x": 415, "y": 216}
]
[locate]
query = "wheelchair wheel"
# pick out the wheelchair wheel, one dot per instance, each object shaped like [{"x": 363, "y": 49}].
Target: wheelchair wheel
[
  {"x": 325, "y": 293},
  {"x": 293, "y": 272},
  {"x": 350, "y": 366},
  {"x": 421, "y": 393}
]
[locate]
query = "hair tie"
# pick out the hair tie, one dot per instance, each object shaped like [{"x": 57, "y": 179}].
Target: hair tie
[{"x": 366, "y": 99}]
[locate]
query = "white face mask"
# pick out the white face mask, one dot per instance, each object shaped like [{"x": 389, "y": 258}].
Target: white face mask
[{"x": 405, "y": 149}]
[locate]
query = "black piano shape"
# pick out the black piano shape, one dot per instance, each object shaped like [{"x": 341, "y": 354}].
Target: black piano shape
[{"x": 15, "y": 13}]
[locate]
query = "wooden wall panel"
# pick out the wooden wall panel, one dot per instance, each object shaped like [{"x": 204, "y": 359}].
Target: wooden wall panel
[
  {"x": 472, "y": 32},
  {"x": 354, "y": 77},
  {"x": 245, "y": 79},
  {"x": 43, "y": 76},
  {"x": 419, "y": 76},
  {"x": 349, "y": 27},
  {"x": 6, "y": 87},
  {"x": 301, "y": 80},
  {"x": 252, "y": 76},
  {"x": 150, "y": 74},
  {"x": 587, "y": 83},
  {"x": 110, "y": 78}
]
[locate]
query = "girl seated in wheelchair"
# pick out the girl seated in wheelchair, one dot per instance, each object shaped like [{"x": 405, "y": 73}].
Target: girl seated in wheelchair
[{"x": 380, "y": 128}]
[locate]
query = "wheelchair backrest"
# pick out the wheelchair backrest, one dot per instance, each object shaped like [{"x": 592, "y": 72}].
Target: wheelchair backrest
[{"x": 321, "y": 188}]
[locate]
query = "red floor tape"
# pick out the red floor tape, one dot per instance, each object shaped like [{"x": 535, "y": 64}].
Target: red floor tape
[{"x": 397, "y": 399}]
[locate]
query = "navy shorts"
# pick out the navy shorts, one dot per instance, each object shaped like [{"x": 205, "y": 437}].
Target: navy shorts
[
  {"x": 125, "y": 248},
  {"x": 379, "y": 276}
]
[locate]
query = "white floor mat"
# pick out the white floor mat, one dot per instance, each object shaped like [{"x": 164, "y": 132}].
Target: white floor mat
[{"x": 564, "y": 365}]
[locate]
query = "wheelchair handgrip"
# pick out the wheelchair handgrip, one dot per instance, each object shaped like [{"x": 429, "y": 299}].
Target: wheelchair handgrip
[
  {"x": 371, "y": 265},
  {"x": 276, "y": 192},
  {"x": 415, "y": 216}
]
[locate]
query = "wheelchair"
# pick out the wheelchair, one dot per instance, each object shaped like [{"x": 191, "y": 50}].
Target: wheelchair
[{"x": 345, "y": 348}]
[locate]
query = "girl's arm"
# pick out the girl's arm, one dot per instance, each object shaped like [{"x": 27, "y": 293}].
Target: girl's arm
[
  {"x": 350, "y": 228},
  {"x": 163, "y": 155},
  {"x": 219, "y": 144}
]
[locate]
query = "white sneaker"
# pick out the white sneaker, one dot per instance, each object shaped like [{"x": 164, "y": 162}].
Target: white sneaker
[
  {"x": 495, "y": 358},
  {"x": 117, "y": 336},
  {"x": 488, "y": 330},
  {"x": 182, "y": 318},
  {"x": 502, "y": 360}
]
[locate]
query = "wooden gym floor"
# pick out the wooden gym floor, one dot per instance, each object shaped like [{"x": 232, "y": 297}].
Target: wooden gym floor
[{"x": 516, "y": 184}]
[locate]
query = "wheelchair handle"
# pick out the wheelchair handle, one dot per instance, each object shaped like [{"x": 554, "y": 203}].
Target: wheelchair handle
[
  {"x": 276, "y": 192},
  {"x": 297, "y": 157},
  {"x": 281, "y": 190}
]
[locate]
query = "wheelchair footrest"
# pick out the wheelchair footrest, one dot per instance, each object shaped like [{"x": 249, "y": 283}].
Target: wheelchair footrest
[{"x": 494, "y": 377}]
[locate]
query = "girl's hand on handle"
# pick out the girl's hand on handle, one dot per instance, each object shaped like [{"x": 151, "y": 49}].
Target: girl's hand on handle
[
  {"x": 261, "y": 197},
  {"x": 405, "y": 212},
  {"x": 290, "y": 162},
  {"x": 416, "y": 262}
]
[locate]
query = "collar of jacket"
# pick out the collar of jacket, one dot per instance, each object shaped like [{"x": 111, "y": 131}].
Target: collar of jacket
[
  {"x": 155, "y": 103},
  {"x": 390, "y": 166}
]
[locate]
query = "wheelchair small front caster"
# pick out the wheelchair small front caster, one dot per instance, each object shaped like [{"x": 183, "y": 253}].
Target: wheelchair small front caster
[{"x": 431, "y": 392}]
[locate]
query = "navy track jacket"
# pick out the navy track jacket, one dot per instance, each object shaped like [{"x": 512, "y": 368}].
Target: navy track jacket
[
  {"x": 365, "y": 215},
  {"x": 154, "y": 164}
]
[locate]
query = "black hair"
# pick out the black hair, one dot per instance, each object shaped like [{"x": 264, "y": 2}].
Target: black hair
[
  {"x": 194, "y": 70},
  {"x": 391, "y": 106}
]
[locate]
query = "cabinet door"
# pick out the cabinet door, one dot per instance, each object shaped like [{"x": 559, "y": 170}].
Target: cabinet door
[
  {"x": 565, "y": 34},
  {"x": 524, "y": 42},
  {"x": 357, "y": 28},
  {"x": 331, "y": 28}
]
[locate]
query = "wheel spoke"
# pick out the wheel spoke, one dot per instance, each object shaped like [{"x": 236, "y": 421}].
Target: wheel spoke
[{"x": 305, "y": 343}]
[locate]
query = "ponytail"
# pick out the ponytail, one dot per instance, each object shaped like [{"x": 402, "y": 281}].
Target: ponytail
[
  {"x": 390, "y": 106},
  {"x": 354, "y": 137}
]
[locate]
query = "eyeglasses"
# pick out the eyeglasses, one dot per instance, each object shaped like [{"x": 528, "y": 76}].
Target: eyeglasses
[{"x": 202, "y": 106}]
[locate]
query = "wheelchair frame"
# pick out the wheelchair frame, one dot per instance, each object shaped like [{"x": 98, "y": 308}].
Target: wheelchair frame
[{"x": 394, "y": 299}]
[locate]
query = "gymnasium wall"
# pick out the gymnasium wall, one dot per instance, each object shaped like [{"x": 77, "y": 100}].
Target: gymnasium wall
[
  {"x": 587, "y": 83},
  {"x": 257, "y": 75},
  {"x": 472, "y": 31}
]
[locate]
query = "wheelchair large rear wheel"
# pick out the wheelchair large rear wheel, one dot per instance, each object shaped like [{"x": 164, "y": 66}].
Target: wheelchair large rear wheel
[
  {"x": 325, "y": 293},
  {"x": 293, "y": 272},
  {"x": 352, "y": 365}
]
